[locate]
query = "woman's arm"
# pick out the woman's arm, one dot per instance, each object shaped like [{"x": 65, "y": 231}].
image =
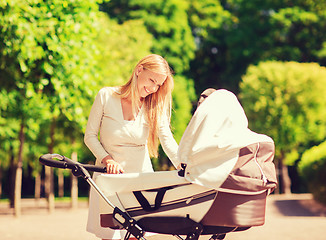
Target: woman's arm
[
  {"x": 93, "y": 127},
  {"x": 91, "y": 134},
  {"x": 168, "y": 143}
]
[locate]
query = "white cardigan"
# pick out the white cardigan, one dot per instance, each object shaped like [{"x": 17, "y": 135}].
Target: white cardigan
[{"x": 125, "y": 141}]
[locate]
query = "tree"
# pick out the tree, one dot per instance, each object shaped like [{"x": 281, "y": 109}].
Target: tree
[
  {"x": 22, "y": 109},
  {"x": 8, "y": 138},
  {"x": 207, "y": 20},
  {"x": 166, "y": 20},
  {"x": 312, "y": 168},
  {"x": 286, "y": 100},
  {"x": 247, "y": 32},
  {"x": 297, "y": 31},
  {"x": 123, "y": 45},
  {"x": 49, "y": 55}
]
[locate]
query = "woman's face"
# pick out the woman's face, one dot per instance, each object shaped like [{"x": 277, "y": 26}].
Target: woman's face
[{"x": 148, "y": 81}]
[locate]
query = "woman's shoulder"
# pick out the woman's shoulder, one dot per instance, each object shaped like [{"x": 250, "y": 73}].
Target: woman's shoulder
[
  {"x": 107, "y": 94},
  {"x": 109, "y": 91}
]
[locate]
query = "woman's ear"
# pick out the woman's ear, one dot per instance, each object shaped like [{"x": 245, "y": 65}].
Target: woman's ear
[{"x": 139, "y": 69}]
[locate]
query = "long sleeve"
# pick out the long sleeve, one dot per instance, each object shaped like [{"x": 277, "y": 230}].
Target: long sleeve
[
  {"x": 93, "y": 126},
  {"x": 169, "y": 145}
]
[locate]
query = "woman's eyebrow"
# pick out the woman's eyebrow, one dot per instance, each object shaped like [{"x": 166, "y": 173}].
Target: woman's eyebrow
[{"x": 155, "y": 81}]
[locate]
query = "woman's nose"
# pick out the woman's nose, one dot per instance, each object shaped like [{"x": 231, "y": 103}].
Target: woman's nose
[{"x": 153, "y": 87}]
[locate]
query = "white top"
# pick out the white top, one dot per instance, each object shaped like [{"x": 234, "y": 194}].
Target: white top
[
  {"x": 211, "y": 142},
  {"x": 125, "y": 141}
]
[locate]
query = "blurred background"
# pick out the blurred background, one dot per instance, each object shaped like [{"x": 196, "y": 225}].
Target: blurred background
[{"x": 55, "y": 55}]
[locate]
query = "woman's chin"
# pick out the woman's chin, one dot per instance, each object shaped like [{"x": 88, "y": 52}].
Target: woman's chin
[{"x": 144, "y": 94}]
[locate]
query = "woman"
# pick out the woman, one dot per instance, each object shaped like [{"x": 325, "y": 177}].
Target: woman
[{"x": 131, "y": 119}]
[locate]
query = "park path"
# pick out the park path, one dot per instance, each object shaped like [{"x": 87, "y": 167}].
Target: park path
[{"x": 288, "y": 217}]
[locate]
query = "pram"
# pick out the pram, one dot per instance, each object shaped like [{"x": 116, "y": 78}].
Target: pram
[
  {"x": 227, "y": 174},
  {"x": 164, "y": 202}
]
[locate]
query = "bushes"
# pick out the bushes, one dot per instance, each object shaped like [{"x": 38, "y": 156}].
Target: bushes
[
  {"x": 286, "y": 100},
  {"x": 312, "y": 167}
]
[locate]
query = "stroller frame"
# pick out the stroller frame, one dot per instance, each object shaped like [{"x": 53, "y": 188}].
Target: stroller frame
[{"x": 186, "y": 226}]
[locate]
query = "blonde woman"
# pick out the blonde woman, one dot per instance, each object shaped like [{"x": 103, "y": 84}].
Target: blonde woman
[{"x": 132, "y": 119}]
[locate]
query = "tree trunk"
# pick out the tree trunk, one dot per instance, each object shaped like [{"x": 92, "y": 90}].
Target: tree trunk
[
  {"x": 37, "y": 192},
  {"x": 12, "y": 176},
  {"x": 49, "y": 188},
  {"x": 61, "y": 182},
  {"x": 0, "y": 183},
  {"x": 284, "y": 184},
  {"x": 19, "y": 173},
  {"x": 74, "y": 184}
]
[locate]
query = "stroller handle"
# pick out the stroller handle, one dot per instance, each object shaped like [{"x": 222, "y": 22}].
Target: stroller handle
[{"x": 51, "y": 160}]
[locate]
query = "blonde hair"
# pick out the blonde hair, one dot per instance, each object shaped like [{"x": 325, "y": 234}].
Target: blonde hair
[{"x": 157, "y": 105}]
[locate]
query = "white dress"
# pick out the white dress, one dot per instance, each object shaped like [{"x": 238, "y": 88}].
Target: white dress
[{"x": 125, "y": 141}]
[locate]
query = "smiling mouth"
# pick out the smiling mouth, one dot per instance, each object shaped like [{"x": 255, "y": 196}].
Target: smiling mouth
[{"x": 147, "y": 90}]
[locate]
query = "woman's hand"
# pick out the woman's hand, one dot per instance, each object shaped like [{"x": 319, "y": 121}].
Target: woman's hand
[
  {"x": 112, "y": 167},
  {"x": 179, "y": 167}
]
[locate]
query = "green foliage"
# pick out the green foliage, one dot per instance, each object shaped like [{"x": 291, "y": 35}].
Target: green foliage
[
  {"x": 286, "y": 100},
  {"x": 181, "y": 113},
  {"x": 123, "y": 45},
  {"x": 166, "y": 20},
  {"x": 49, "y": 55},
  {"x": 312, "y": 168},
  {"x": 49, "y": 47},
  {"x": 208, "y": 20},
  {"x": 205, "y": 16},
  {"x": 9, "y": 128},
  {"x": 297, "y": 31},
  {"x": 15, "y": 110},
  {"x": 247, "y": 32}
]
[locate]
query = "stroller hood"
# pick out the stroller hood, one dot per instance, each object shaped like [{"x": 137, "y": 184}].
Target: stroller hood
[{"x": 211, "y": 143}]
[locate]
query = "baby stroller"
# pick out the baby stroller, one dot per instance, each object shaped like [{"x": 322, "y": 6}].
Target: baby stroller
[
  {"x": 164, "y": 202},
  {"x": 226, "y": 175}
]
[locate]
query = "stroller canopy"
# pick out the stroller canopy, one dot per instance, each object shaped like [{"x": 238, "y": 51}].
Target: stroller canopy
[{"x": 210, "y": 144}]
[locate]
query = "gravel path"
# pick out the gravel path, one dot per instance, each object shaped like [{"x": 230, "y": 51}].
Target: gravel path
[{"x": 288, "y": 217}]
